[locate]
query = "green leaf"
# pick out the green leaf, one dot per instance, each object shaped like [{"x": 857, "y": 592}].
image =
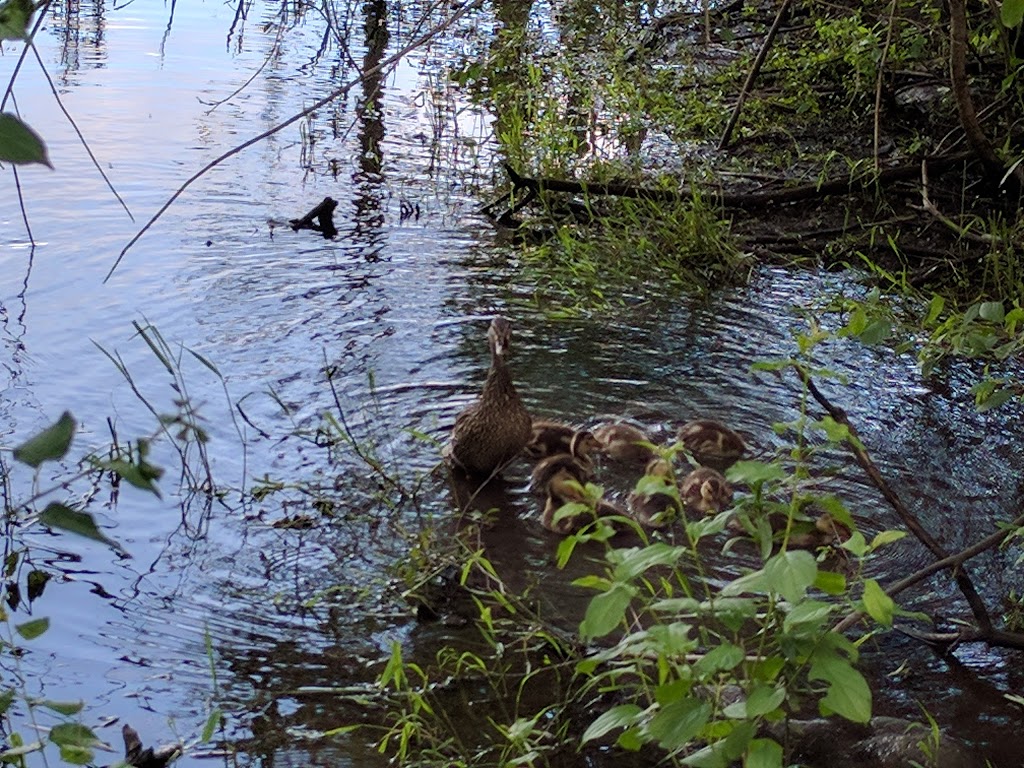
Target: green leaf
[
  {"x": 754, "y": 472},
  {"x": 19, "y": 144},
  {"x": 995, "y": 400},
  {"x": 634, "y": 561},
  {"x": 830, "y": 582},
  {"x": 52, "y": 443},
  {"x": 140, "y": 474},
  {"x": 886, "y": 537},
  {"x": 622, "y": 716},
  {"x": 719, "y": 659},
  {"x": 81, "y": 523},
  {"x": 764, "y": 699},
  {"x": 807, "y": 617},
  {"x": 763, "y": 753},
  {"x": 723, "y": 753},
  {"x": 6, "y": 699},
  {"x": 211, "y": 725},
  {"x": 993, "y": 311},
  {"x": 606, "y": 611},
  {"x": 935, "y": 307},
  {"x": 73, "y": 735},
  {"x": 676, "y": 725},
  {"x": 37, "y": 581},
  {"x": 791, "y": 573},
  {"x": 877, "y": 331},
  {"x": 67, "y": 708},
  {"x": 15, "y": 16},
  {"x": 878, "y": 605},
  {"x": 75, "y": 754},
  {"x": 30, "y": 630},
  {"x": 848, "y": 695}
]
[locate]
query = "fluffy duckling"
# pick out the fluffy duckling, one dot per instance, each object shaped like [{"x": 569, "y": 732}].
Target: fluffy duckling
[
  {"x": 705, "y": 490},
  {"x": 653, "y": 508},
  {"x": 827, "y": 532},
  {"x": 712, "y": 443},
  {"x": 551, "y": 437},
  {"x": 540, "y": 477},
  {"x": 563, "y": 487},
  {"x": 493, "y": 430},
  {"x": 624, "y": 442}
]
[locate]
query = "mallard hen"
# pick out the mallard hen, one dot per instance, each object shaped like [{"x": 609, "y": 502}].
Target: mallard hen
[
  {"x": 552, "y": 437},
  {"x": 712, "y": 443},
  {"x": 624, "y": 442},
  {"x": 705, "y": 490},
  {"x": 650, "y": 506},
  {"x": 494, "y": 429}
]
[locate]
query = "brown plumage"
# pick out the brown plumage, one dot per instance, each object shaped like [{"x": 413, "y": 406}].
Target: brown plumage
[
  {"x": 623, "y": 442},
  {"x": 496, "y": 427},
  {"x": 712, "y": 443},
  {"x": 705, "y": 490},
  {"x": 827, "y": 532},
  {"x": 547, "y": 468},
  {"x": 652, "y": 508},
  {"x": 564, "y": 487},
  {"x": 551, "y": 437}
]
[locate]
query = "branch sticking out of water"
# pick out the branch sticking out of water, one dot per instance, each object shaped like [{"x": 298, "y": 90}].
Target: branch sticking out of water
[{"x": 390, "y": 61}]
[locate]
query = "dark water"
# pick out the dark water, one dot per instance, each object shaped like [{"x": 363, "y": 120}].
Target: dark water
[{"x": 297, "y": 622}]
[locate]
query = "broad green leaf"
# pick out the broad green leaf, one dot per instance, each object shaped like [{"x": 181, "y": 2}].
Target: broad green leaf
[
  {"x": 719, "y": 659},
  {"x": 52, "y": 443},
  {"x": 756, "y": 582},
  {"x": 19, "y": 144},
  {"x": 15, "y": 16},
  {"x": 635, "y": 561},
  {"x": 830, "y": 582},
  {"x": 75, "y": 754},
  {"x": 876, "y": 332},
  {"x": 66, "y": 519},
  {"x": 676, "y": 725},
  {"x": 6, "y": 699},
  {"x": 993, "y": 311},
  {"x": 995, "y": 400},
  {"x": 680, "y": 606},
  {"x": 621, "y": 716},
  {"x": 723, "y": 753},
  {"x": 791, "y": 573},
  {"x": 878, "y": 605},
  {"x": 673, "y": 640},
  {"x": 37, "y": 581},
  {"x": 68, "y": 708},
  {"x": 935, "y": 307},
  {"x": 73, "y": 735},
  {"x": 30, "y": 630},
  {"x": 754, "y": 472},
  {"x": 606, "y": 611},
  {"x": 807, "y": 616},
  {"x": 848, "y": 694},
  {"x": 764, "y": 699},
  {"x": 763, "y": 753}
]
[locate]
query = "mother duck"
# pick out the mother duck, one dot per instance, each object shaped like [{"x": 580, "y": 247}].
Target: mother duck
[{"x": 494, "y": 429}]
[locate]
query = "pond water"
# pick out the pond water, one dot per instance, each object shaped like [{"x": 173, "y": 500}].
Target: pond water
[{"x": 396, "y": 307}]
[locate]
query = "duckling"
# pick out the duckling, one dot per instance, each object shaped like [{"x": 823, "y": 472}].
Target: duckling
[
  {"x": 552, "y": 437},
  {"x": 656, "y": 509},
  {"x": 624, "y": 442},
  {"x": 495, "y": 428},
  {"x": 564, "y": 487},
  {"x": 540, "y": 477},
  {"x": 712, "y": 443},
  {"x": 827, "y": 532},
  {"x": 705, "y": 490}
]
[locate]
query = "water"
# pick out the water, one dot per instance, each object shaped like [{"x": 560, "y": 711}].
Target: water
[{"x": 396, "y": 307}]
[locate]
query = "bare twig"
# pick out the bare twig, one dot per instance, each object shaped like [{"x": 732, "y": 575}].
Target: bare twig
[
  {"x": 754, "y": 70},
  {"x": 909, "y": 518},
  {"x": 878, "y": 83}
]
